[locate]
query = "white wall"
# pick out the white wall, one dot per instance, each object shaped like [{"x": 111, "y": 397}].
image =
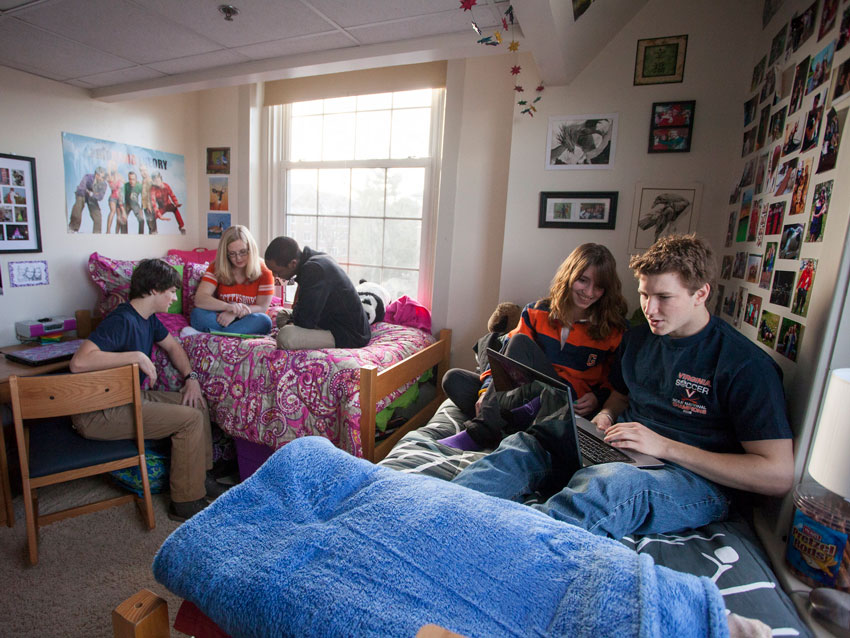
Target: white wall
[
  {"x": 717, "y": 36},
  {"x": 35, "y": 111}
]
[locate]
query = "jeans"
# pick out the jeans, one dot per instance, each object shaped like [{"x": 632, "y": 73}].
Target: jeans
[
  {"x": 257, "y": 323},
  {"x": 611, "y": 499}
]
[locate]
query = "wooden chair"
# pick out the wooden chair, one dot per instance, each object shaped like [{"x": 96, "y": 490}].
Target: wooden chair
[{"x": 51, "y": 452}]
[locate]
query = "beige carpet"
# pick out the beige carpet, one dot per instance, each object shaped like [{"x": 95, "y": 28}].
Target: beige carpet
[{"x": 87, "y": 566}]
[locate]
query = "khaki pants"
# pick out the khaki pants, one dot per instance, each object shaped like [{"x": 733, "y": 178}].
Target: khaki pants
[
  {"x": 163, "y": 416},
  {"x": 292, "y": 337}
]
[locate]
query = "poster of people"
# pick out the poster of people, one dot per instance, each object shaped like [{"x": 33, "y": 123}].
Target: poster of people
[{"x": 111, "y": 187}]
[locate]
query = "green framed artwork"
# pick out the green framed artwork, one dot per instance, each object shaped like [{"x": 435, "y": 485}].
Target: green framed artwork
[{"x": 661, "y": 60}]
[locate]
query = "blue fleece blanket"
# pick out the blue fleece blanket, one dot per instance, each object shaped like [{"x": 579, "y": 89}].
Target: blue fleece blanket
[{"x": 320, "y": 543}]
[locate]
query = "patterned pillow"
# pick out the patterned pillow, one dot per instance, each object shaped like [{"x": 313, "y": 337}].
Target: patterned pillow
[
  {"x": 194, "y": 256},
  {"x": 192, "y": 275},
  {"x": 112, "y": 277}
]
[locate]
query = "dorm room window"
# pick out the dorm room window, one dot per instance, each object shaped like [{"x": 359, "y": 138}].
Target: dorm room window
[{"x": 360, "y": 182}]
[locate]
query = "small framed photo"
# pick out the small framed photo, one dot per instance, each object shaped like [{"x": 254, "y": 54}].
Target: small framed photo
[
  {"x": 20, "y": 231},
  {"x": 661, "y": 60},
  {"x": 589, "y": 210},
  {"x": 670, "y": 127},
  {"x": 28, "y": 273},
  {"x": 218, "y": 160}
]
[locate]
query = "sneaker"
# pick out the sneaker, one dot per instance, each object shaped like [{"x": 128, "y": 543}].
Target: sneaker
[
  {"x": 214, "y": 488},
  {"x": 189, "y": 331},
  {"x": 180, "y": 512}
]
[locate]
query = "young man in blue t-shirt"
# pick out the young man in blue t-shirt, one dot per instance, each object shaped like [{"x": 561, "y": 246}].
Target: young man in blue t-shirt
[
  {"x": 126, "y": 336},
  {"x": 690, "y": 390}
]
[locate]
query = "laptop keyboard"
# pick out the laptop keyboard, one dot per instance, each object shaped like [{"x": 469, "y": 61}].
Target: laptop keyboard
[{"x": 597, "y": 451}]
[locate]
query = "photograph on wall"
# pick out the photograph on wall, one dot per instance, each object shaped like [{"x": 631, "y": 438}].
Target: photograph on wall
[
  {"x": 793, "y": 136},
  {"x": 783, "y": 285},
  {"x": 752, "y": 310},
  {"x": 820, "y": 209},
  {"x": 785, "y": 177},
  {"x": 791, "y": 241},
  {"x": 744, "y": 217},
  {"x": 840, "y": 88},
  {"x": 828, "y": 14},
  {"x": 801, "y": 187},
  {"x": 768, "y": 89},
  {"x": 581, "y": 141},
  {"x": 738, "y": 312},
  {"x": 719, "y": 300},
  {"x": 762, "y": 224},
  {"x": 726, "y": 267},
  {"x": 798, "y": 89},
  {"x": 753, "y": 268},
  {"x": 137, "y": 190},
  {"x": 663, "y": 211},
  {"x": 748, "y": 175},
  {"x": 820, "y": 67},
  {"x": 772, "y": 166},
  {"x": 660, "y": 60},
  {"x": 790, "y": 336},
  {"x": 767, "y": 264},
  {"x": 768, "y": 328},
  {"x": 739, "y": 268},
  {"x": 750, "y": 107},
  {"x": 218, "y": 193},
  {"x": 777, "y": 45},
  {"x": 755, "y": 218},
  {"x": 574, "y": 209},
  {"x": 777, "y": 124},
  {"x": 769, "y": 9},
  {"x": 730, "y": 229},
  {"x": 758, "y": 73},
  {"x": 775, "y": 215},
  {"x": 761, "y": 171},
  {"x": 748, "y": 145},
  {"x": 811, "y": 132},
  {"x": 218, "y": 160},
  {"x": 20, "y": 230},
  {"x": 217, "y": 223},
  {"x": 844, "y": 30},
  {"x": 832, "y": 131},
  {"x": 805, "y": 281},
  {"x": 803, "y": 26},
  {"x": 729, "y": 303},
  {"x": 761, "y": 134},
  {"x": 28, "y": 273}
]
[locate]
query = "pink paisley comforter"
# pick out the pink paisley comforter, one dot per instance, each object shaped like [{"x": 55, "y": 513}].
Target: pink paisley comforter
[{"x": 271, "y": 396}]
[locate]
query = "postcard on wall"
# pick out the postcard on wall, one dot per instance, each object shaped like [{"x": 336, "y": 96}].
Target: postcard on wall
[
  {"x": 819, "y": 212},
  {"x": 805, "y": 282},
  {"x": 752, "y": 309},
  {"x": 791, "y": 241},
  {"x": 218, "y": 160},
  {"x": 663, "y": 211},
  {"x": 790, "y": 335},
  {"x": 832, "y": 131},
  {"x": 840, "y": 82},
  {"x": 753, "y": 268},
  {"x": 219, "y": 194},
  {"x": 20, "y": 231},
  {"x": 768, "y": 328},
  {"x": 217, "y": 223},
  {"x": 28, "y": 273},
  {"x": 135, "y": 190},
  {"x": 783, "y": 285},
  {"x": 767, "y": 264},
  {"x": 581, "y": 141}
]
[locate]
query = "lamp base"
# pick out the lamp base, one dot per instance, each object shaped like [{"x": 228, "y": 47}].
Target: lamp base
[{"x": 832, "y": 606}]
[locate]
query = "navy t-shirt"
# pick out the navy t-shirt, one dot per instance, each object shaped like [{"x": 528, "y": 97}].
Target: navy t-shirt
[
  {"x": 125, "y": 330},
  {"x": 710, "y": 390}
]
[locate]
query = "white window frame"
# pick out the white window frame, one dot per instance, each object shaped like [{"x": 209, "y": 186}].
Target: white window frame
[{"x": 278, "y": 123}]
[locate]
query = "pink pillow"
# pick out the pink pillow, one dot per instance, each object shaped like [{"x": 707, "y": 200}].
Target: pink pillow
[
  {"x": 194, "y": 256},
  {"x": 192, "y": 275},
  {"x": 112, "y": 277}
]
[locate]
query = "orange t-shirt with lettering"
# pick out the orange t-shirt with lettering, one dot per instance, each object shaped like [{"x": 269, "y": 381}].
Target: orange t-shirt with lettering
[{"x": 246, "y": 293}]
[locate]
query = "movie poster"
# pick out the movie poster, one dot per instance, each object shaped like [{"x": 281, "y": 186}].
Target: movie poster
[{"x": 111, "y": 187}]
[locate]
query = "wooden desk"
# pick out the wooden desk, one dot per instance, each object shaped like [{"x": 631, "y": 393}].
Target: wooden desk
[{"x": 7, "y": 369}]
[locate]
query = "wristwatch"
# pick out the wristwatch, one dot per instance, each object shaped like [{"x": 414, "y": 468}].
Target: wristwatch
[{"x": 192, "y": 375}]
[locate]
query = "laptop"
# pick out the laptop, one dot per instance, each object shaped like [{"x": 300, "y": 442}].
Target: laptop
[
  {"x": 509, "y": 374},
  {"x": 46, "y": 353}
]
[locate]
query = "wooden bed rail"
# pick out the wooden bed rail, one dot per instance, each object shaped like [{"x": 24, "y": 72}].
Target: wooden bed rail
[{"x": 375, "y": 385}]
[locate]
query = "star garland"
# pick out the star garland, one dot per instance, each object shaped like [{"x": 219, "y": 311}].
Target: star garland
[{"x": 494, "y": 40}]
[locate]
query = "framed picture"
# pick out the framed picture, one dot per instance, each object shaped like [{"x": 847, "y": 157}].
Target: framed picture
[
  {"x": 218, "y": 160},
  {"x": 661, "y": 211},
  {"x": 20, "y": 231},
  {"x": 589, "y": 210},
  {"x": 661, "y": 60},
  {"x": 670, "y": 127},
  {"x": 581, "y": 141},
  {"x": 28, "y": 273}
]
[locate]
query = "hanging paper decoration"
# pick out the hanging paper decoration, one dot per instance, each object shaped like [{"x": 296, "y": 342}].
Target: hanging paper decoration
[{"x": 494, "y": 40}]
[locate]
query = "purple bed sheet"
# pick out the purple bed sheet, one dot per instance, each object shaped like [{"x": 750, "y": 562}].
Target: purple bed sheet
[{"x": 265, "y": 395}]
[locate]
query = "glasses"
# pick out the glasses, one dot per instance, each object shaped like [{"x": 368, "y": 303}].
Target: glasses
[{"x": 239, "y": 253}]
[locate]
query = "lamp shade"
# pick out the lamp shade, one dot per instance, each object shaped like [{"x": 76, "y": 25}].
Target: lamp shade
[{"x": 829, "y": 464}]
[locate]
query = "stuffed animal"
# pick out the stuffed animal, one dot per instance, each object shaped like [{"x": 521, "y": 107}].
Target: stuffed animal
[
  {"x": 375, "y": 299},
  {"x": 504, "y": 318}
]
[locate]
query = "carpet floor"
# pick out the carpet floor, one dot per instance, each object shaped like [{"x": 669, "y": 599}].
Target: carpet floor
[{"x": 86, "y": 565}]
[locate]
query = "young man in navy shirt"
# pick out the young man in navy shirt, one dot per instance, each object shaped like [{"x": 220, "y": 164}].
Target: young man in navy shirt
[{"x": 690, "y": 390}]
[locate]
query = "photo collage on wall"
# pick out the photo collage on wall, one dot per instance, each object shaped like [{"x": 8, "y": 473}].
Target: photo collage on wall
[
  {"x": 218, "y": 167},
  {"x": 793, "y": 121}
]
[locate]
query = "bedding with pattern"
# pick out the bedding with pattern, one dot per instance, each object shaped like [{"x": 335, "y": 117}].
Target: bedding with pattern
[
  {"x": 256, "y": 391},
  {"x": 727, "y": 553}
]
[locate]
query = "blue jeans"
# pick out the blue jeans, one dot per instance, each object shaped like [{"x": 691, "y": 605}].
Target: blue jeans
[
  {"x": 257, "y": 323},
  {"x": 613, "y": 499}
]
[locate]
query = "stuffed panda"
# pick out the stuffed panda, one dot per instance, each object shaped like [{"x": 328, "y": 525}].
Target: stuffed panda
[{"x": 375, "y": 299}]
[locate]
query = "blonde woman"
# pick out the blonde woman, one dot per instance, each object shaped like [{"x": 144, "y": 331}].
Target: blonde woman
[{"x": 236, "y": 290}]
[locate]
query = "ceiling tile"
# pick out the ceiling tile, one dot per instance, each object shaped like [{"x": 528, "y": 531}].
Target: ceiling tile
[
  {"x": 358, "y": 12},
  {"x": 135, "y": 74},
  {"x": 430, "y": 25},
  {"x": 198, "y": 62},
  {"x": 119, "y": 27},
  {"x": 293, "y": 46},
  {"x": 258, "y": 20}
]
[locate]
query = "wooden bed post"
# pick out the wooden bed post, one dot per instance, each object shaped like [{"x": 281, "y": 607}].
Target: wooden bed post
[
  {"x": 142, "y": 615},
  {"x": 368, "y": 389}
]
